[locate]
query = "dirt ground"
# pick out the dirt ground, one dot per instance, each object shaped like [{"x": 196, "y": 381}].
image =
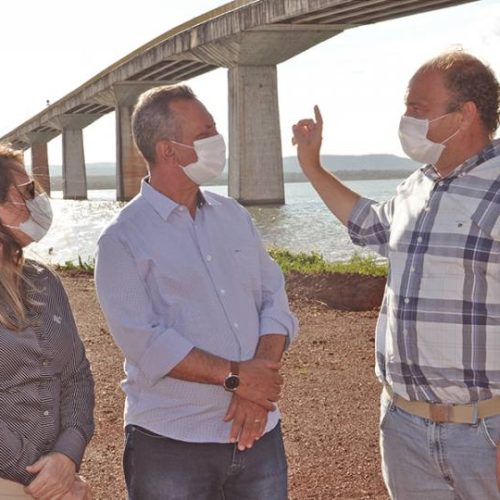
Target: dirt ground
[{"x": 329, "y": 405}]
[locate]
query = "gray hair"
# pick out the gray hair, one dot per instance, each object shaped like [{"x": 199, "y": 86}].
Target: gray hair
[{"x": 152, "y": 119}]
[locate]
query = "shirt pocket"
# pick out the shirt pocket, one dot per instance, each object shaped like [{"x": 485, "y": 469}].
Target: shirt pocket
[{"x": 457, "y": 241}]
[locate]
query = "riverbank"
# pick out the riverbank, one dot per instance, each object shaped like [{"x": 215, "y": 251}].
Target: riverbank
[{"x": 329, "y": 404}]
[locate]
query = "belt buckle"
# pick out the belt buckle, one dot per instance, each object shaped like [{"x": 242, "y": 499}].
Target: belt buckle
[{"x": 440, "y": 413}]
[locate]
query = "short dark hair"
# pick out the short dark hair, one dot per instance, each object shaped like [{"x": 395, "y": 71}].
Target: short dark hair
[
  {"x": 152, "y": 119},
  {"x": 469, "y": 79}
]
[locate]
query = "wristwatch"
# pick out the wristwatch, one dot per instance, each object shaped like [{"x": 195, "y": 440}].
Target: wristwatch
[{"x": 232, "y": 379}]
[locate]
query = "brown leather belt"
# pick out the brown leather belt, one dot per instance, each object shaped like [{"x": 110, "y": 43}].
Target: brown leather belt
[{"x": 447, "y": 413}]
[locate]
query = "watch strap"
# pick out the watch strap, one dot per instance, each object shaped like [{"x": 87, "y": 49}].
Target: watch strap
[{"x": 234, "y": 367}]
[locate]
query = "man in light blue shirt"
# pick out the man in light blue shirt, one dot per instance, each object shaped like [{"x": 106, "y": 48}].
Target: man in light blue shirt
[{"x": 201, "y": 314}]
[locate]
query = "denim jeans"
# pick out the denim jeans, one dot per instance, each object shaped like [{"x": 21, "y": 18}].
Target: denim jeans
[
  {"x": 160, "y": 468},
  {"x": 424, "y": 460}
]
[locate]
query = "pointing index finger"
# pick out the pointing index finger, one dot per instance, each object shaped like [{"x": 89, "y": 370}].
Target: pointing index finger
[{"x": 317, "y": 115}]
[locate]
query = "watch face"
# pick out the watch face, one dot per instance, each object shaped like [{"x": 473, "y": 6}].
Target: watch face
[{"x": 231, "y": 382}]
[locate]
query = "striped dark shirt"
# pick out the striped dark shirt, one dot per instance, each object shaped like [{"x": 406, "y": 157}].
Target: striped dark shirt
[{"x": 46, "y": 387}]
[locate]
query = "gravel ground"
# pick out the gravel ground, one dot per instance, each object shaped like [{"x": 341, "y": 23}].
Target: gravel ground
[{"x": 329, "y": 404}]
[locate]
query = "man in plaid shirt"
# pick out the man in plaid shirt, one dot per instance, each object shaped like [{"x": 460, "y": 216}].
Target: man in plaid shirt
[{"x": 438, "y": 333}]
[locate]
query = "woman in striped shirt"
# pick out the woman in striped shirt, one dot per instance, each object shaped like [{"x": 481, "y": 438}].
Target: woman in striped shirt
[{"x": 46, "y": 387}]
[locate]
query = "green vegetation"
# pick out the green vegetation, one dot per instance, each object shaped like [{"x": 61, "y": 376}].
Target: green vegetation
[
  {"x": 314, "y": 263},
  {"x": 86, "y": 267},
  {"x": 301, "y": 262}
]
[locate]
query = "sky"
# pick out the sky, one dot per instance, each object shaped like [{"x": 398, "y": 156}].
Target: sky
[{"x": 358, "y": 78}]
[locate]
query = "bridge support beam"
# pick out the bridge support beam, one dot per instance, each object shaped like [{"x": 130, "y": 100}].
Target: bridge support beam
[
  {"x": 73, "y": 167},
  {"x": 130, "y": 165},
  {"x": 40, "y": 165},
  {"x": 74, "y": 174},
  {"x": 255, "y": 158},
  {"x": 40, "y": 157}
]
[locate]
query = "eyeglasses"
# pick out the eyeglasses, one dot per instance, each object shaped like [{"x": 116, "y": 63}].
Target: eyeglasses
[{"x": 27, "y": 190}]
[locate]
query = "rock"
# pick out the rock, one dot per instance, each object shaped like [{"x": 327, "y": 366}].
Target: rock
[{"x": 347, "y": 292}]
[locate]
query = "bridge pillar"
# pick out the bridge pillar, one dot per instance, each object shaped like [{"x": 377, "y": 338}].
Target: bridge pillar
[
  {"x": 73, "y": 167},
  {"x": 40, "y": 165},
  {"x": 255, "y": 159},
  {"x": 40, "y": 158},
  {"x": 74, "y": 173},
  {"x": 130, "y": 165}
]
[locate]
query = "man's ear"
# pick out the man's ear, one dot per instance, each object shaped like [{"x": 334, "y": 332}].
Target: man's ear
[
  {"x": 469, "y": 114},
  {"x": 164, "y": 151}
]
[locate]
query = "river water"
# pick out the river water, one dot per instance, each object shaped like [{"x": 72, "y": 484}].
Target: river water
[{"x": 303, "y": 224}]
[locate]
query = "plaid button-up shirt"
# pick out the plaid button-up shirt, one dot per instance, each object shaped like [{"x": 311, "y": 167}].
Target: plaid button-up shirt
[{"x": 438, "y": 333}]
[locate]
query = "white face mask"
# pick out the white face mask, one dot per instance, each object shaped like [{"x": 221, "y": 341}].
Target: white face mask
[
  {"x": 413, "y": 137},
  {"x": 211, "y": 154},
  {"x": 40, "y": 219}
]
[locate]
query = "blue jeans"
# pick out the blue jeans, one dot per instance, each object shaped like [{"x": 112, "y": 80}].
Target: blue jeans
[
  {"x": 160, "y": 468},
  {"x": 422, "y": 460}
]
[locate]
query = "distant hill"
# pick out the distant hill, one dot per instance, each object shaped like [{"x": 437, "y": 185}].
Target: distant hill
[
  {"x": 348, "y": 167},
  {"x": 101, "y": 168},
  {"x": 373, "y": 162},
  {"x": 290, "y": 164}
]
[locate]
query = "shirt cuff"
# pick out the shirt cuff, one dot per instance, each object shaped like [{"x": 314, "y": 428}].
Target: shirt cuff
[
  {"x": 72, "y": 444},
  {"x": 168, "y": 350},
  {"x": 271, "y": 325}
]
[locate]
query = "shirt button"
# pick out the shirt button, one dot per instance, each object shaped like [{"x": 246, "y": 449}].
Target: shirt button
[
  {"x": 222, "y": 292},
  {"x": 420, "y": 239},
  {"x": 46, "y": 412},
  {"x": 45, "y": 363},
  {"x": 181, "y": 209},
  {"x": 407, "y": 300},
  {"x": 440, "y": 183},
  {"x": 426, "y": 209},
  {"x": 412, "y": 269},
  {"x": 236, "y": 325},
  {"x": 209, "y": 258}
]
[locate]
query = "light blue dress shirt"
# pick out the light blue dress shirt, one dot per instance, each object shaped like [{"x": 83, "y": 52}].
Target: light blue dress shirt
[{"x": 168, "y": 283}]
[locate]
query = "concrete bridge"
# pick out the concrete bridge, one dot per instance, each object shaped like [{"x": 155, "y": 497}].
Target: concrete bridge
[{"x": 250, "y": 38}]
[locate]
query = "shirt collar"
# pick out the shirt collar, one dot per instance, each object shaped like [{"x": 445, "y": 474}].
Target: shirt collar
[
  {"x": 489, "y": 152},
  {"x": 163, "y": 205},
  {"x": 209, "y": 199}
]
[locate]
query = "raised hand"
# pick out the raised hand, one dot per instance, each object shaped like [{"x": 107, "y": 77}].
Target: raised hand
[{"x": 307, "y": 136}]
